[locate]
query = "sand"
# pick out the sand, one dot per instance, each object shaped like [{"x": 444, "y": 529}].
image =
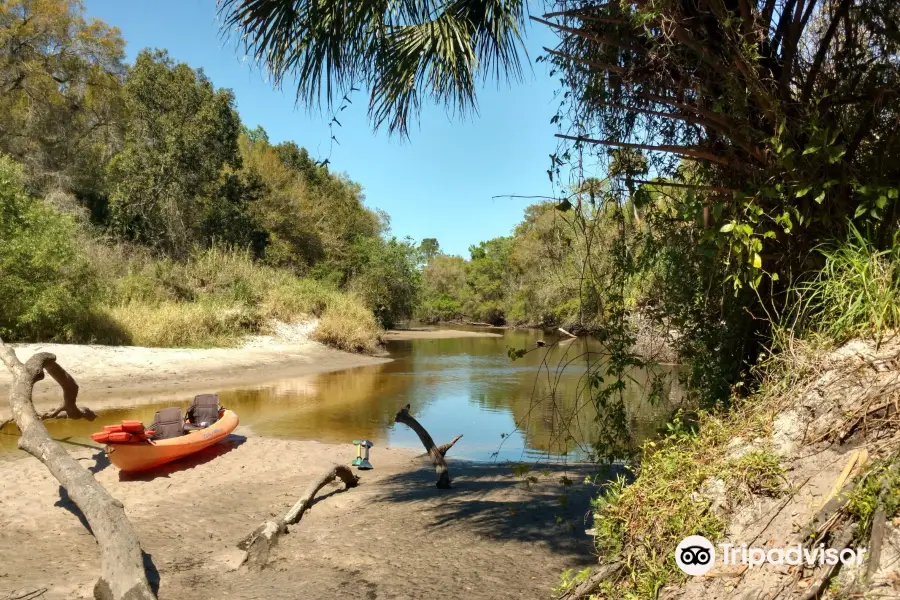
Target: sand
[
  {"x": 435, "y": 334},
  {"x": 395, "y": 536},
  {"x": 106, "y": 374}
]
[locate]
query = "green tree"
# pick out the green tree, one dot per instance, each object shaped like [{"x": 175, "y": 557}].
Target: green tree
[
  {"x": 488, "y": 279},
  {"x": 60, "y": 83},
  {"x": 444, "y": 291},
  {"x": 179, "y": 135},
  {"x": 47, "y": 286},
  {"x": 387, "y": 277},
  {"x": 429, "y": 247}
]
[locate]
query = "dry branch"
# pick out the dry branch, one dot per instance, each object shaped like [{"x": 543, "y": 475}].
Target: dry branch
[
  {"x": 258, "y": 545},
  {"x": 684, "y": 150},
  {"x": 600, "y": 39},
  {"x": 443, "y": 448},
  {"x": 589, "y": 586},
  {"x": 69, "y": 409},
  {"x": 122, "y": 574},
  {"x": 586, "y": 61},
  {"x": 706, "y": 188},
  {"x": 841, "y": 539},
  {"x": 435, "y": 452}
]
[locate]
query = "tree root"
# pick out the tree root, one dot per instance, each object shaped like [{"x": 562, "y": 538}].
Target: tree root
[{"x": 259, "y": 544}]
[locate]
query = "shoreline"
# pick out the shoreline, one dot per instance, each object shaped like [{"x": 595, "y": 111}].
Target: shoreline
[
  {"x": 105, "y": 373},
  {"x": 108, "y": 375}
]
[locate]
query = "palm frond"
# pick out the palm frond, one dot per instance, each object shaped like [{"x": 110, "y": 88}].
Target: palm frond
[{"x": 402, "y": 50}]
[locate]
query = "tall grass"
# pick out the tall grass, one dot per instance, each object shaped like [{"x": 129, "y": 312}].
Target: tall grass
[
  {"x": 216, "y": 298},
  {"x": 856, "y": 294}
]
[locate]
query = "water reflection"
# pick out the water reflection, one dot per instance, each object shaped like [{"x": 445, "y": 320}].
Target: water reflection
[{"x": 508, "y": 409}]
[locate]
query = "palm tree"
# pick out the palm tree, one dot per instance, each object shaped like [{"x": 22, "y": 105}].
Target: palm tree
[{"x": 401, "y": 50}]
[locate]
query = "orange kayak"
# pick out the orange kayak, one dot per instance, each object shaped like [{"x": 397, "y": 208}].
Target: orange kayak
[{"x": 146, "y": 455}]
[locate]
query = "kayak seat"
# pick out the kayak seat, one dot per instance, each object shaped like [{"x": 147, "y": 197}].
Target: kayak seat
[
  {"x": 167, "y": 423},
  {"x": 203, "y": 411}
]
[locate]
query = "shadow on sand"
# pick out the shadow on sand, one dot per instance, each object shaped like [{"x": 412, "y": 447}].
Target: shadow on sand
[
  {"x": 491, "y": 501},
  {"x": 188, "y": 462}
]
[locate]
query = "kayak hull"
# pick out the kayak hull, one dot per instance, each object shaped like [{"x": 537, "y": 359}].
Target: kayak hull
[{"x": 146, "y": 455}]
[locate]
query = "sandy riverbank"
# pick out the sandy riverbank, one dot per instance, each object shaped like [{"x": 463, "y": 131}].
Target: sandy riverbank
[
  {"x": 105, "y": 373},
  {"x": 108, "y": 375},
  {"x": 490, "y": 537},
  {"x": 435, "y": 334}
]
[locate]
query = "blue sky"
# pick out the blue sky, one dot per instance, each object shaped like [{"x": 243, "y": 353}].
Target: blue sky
[{"x": 438, "y": 183}]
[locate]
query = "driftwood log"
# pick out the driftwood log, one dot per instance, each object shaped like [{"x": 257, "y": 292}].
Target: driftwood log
[
  {"x": 436, "y": 453},
  {"x": 263, "y": 539},
  {"x": 122, "y": 574},
  {"x": 69, "y": 408},
  {"x": 604, "y": 572}
]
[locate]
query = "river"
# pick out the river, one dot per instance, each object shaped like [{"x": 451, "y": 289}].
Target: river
[{"x": 525, "y": 409}]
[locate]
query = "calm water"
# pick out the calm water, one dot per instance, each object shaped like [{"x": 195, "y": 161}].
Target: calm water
[{"x": 515, "y": 410}]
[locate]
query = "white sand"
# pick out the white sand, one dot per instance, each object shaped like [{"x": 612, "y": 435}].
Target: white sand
[{"x": 108, "y": 373}]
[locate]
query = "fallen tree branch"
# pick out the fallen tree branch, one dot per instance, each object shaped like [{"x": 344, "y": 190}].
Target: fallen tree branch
[
  {"x": 259, "y": 544},
  {"x": 437, "y": 456},
  {"x": 841, "y": 539},
  {"x": 122, "y": 573},
  {"x": 69, "y": 409},
  {"x": 589, "y": 586}
]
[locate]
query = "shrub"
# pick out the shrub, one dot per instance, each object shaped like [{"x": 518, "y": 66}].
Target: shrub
[
  {"x": 47, "y": 287},
  {"x": 348, "y": 325}
]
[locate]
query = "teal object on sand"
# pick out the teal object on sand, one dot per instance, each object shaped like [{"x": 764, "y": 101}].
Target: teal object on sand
[{"x": 362, "y": 454}]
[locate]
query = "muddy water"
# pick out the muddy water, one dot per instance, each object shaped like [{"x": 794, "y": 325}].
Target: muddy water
[{"x": 515, "y": 410}]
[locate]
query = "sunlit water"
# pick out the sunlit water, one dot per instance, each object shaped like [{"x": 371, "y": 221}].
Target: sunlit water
[{"x": 536, "y": 406}]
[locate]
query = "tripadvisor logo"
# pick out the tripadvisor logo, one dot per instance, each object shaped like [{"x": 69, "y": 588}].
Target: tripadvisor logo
[{"x": 696, "y": 555}]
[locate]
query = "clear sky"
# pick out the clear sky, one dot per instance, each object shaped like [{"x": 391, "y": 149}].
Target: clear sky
[{"x": 438, "y": 183}]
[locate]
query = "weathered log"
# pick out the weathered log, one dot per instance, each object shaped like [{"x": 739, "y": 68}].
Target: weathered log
[
  {"x": 259, "y": 544},
  {"x": 69, "y": 409},
  {"x": 587, "y": 587},
  {"x": 571, "y": 335},
  {"x": 122, "y": 573},
  {"x": 435, "y": 452},
  {"x": 841, "y": 539}
]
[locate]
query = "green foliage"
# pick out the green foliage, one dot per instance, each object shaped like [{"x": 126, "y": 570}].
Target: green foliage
[
  {"x": 388, "y": 278},
  {"x": 642, "y": 521},
  {"x": 856, "y": 293},
  {"x": 47, "y": 286},
  {"x": 222, "y": 230},
  {"x": 402, "y": 50},
  {"x": 443, "y": 290},
  {"x": 217, "y": 297},
  {"x": 179, "y": 134},
  {"x": 429, "y": 247},
  {"x": 60, "y": 100},
  {"x": 880, "y": 484}
]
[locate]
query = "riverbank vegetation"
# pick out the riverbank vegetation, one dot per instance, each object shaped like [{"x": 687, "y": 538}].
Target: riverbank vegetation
[
  {"x": 730, "y": 169},
  {"x": 137, "y": 208}
]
